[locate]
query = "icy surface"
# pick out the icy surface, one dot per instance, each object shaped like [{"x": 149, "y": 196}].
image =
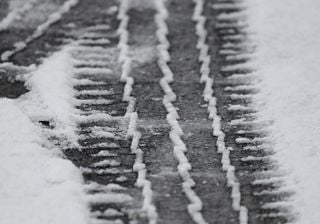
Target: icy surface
[{"x": 288, "y": 37}]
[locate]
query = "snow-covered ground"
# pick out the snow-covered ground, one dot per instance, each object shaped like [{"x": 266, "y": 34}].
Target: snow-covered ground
[
  {"x": 288, "y": 61},
  {"x": 37, "y": 185}
]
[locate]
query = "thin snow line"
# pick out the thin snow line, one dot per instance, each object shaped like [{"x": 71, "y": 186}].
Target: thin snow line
[
  {"x": 16, "y": 13},
  {"x": 204, "y": 59},
  {"x": 195, "y": 205},
  {"x": 139, "y": 166},
  {"x": 40, "y": 30}
]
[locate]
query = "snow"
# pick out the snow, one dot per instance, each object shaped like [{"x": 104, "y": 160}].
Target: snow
[
  {"x": 37, "y": 185},
  {"x": 109, "y": 197},
  {"x": 287, "y": 34},
  {"x": 51, "y": 95}
]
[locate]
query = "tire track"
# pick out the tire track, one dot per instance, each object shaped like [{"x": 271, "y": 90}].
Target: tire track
[
  {"x": 160, "y": 163},
  {"x": 130, "y": 170},
  {"x": 16, "y": 13},
  {"x": 176, "y": 133},
  {"x": 104, "y": 154},
  {"x": 261, "y": 182},
  {"x": 204, "y": 58},
  {"x": 109, "y": 155},
  {"x": 72, "y": 25},
  {"x": 40, "y": 30},
  {"x": 133, "y": 133}
]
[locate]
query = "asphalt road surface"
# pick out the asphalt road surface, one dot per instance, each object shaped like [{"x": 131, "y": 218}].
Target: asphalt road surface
[{"x": 219, "y": 169}]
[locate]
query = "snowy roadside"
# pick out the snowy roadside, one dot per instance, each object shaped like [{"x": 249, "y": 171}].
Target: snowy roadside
[
  {"x": 287, "y": 34},
  {"x": 37, "y": 185}
]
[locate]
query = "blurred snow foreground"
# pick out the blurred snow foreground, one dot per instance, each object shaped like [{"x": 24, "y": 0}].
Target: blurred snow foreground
[
  {"x": 287, "y": 34},
  {"x": 37, "y": 185}
]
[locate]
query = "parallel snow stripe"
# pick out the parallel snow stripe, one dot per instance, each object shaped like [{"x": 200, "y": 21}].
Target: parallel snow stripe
[
  {"x": 93, "y": 186},
  {"x": 100, "y": 41},
  {"x": 100, "y": 27},
  {"x": 104, "y": 221},
  {"x": 85, "y": 82},
  {"x": 110, "y": 212},
  {"x": 229, "y": 6},
  {"x": 93, "y": 71},
  {"x": 240, "y": 88},
  {"x": 40, "y": 30},
  {"x": 94, "y": 93},
  {"x": 195, "y": 205},
  {"x": 91, "y": 61},
  {"x": 106, "y": 162},
  {"x": 16, "y": 14},
  {"x": 103, "y": 145},
  {"x": 91, "y": 49},
  {"x": 109, "y": 197},
  {"x": 93, "y": 102},
  {"x": 232, "y": 180},
  {"x": 139, "y": 166},
  {"x": 105, "y": 171}
]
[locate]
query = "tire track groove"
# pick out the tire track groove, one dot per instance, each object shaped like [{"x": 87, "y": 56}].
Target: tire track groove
[
  {"x": 104, "y": 154},
  {"x": 195, "y": 205},
  {"x": 245, "y": 134},
  {"x": 40, "y": 30},
  {"x": 208, "y": 96},
  {"x": 139, "y": 165}
]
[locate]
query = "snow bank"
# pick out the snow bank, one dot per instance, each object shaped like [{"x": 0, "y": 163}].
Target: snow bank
[
  {"x": 37, "y": 186},
  {"x": 288, "y": 39}
]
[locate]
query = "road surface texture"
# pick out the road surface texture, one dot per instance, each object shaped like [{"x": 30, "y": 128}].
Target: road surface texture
[{"x": 169, "y": 134}]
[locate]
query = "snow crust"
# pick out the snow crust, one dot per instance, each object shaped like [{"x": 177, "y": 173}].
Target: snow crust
[{"x": 287, "y": 34}]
